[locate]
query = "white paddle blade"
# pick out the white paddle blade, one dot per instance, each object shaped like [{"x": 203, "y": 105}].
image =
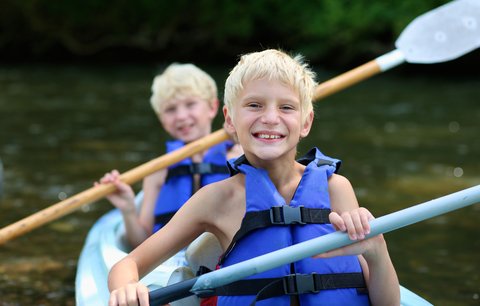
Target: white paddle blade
[{"x": 442, "y": 34}]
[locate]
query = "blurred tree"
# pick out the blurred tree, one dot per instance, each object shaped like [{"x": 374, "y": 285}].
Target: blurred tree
[{"x": 341, "y": 31}]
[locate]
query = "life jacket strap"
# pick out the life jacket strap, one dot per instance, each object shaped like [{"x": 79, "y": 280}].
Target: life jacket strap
[
  {"x": 278, "y": 216},
  {"x": 293, "y": 284},
  {"x": 281, "y": 215},
  {"x": 286, "y": 215},
  {"x": 197, "y": 168}
]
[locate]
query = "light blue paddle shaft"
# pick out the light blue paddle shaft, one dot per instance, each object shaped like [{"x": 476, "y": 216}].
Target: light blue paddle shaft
[{"x": 335, "y": 240}]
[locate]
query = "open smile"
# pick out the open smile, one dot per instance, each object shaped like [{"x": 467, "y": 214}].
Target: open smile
[
  {"x": 268, "y": 136},
  {"x": 184, "y": 128}
]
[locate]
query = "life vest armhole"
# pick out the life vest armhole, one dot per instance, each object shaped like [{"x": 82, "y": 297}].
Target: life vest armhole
[{"x": 164, "y": 218}]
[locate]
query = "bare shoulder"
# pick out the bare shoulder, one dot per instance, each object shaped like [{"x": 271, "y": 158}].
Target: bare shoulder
[
  {"x": 220, "y": 194},
  {"x": 338, "y": 182},
  {"x": 342, "y": 195},
  {"x": 221, "y": 207}
]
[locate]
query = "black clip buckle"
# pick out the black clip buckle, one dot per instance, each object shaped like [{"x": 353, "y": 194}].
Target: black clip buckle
[
  {"x": 291, "y": 215},
  {"x": 294, "y": 284},
  {"x": 201, "y": 168}
]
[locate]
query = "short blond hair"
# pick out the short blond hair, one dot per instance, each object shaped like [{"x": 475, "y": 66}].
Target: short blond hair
[
  {"x": 272, "y": 65},
  {"x": 182, "y": 80}
]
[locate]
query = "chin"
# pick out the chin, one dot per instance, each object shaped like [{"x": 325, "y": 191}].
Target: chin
[
  {"x": 268, "y": 154},
  {"x": 186, "y": 139}
]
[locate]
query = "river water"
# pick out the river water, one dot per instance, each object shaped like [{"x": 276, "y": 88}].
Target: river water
[{"x": 403, "y": 138}]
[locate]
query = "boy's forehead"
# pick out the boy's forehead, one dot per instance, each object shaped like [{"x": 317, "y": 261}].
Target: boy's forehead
[{"x": 260, "y": 85}]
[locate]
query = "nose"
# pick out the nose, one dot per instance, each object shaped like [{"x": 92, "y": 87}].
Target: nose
[
  {"x": 181, "y": 113},
  {"x": 270, "y": 115}
]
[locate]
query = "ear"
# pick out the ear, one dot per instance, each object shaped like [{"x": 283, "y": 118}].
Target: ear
[
  {"x": 228, "y": 125},
  {"x": 307, "y": 125},
  {"x": 214, "y": 108}
]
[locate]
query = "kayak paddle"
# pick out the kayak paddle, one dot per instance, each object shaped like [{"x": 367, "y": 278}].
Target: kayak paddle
[{"x": 440, "y": 35}]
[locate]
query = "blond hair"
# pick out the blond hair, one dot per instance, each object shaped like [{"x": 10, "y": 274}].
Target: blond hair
[
  {"x": 182, "y": 80},
  {"x": 272, "y": 65}
]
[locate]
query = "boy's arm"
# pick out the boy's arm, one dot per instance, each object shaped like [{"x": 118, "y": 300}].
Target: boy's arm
[
  {"x": 139, "y": 226},
  {"x": 379, "y": 271},
  {"x": 124, "y": 199},
  {"x": 124, "y": 286},
  {"x": 382, "y": 281},
  {"x": 187, "y": 224},
  {"x": 151, "y": 186}
]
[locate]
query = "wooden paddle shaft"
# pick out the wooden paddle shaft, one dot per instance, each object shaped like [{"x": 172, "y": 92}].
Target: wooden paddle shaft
[
  {"x": 95, "y": 193},
  {"x": 347, "y": 79}
]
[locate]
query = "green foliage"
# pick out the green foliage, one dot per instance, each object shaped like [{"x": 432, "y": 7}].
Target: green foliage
[{"x": 337, "y": 31}]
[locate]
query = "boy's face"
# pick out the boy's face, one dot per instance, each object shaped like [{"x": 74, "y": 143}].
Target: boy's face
[
  {"x": 188, "y": 118},
  {"x": 267, "y": 120}
]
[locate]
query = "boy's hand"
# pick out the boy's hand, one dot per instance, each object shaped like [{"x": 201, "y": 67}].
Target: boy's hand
[
  {"x": 124, "y": 197},
  {"x": 133, "y": 294},
  {"x": 356, "y": 224}
]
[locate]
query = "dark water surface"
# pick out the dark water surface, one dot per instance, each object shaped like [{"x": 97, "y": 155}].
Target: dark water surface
[{"x": 404, "y": 139}]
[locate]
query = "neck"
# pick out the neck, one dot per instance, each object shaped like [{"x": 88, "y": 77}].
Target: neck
[
  {"x": 285, "y": 173},
  {"x": 197, "y": 158}
]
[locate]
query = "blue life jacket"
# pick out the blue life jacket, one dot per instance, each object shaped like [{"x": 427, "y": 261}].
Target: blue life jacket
[
  {"x": 178, "y": 186},
  {"x": 339, "y": 276}
]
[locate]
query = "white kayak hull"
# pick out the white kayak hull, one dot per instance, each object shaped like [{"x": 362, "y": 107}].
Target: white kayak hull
[{"x": 104, "y": 247}]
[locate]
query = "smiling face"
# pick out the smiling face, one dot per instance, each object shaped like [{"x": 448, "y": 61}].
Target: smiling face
[
  {"x": 267, "y": 120},
  {"x": 188, "y": 118}
]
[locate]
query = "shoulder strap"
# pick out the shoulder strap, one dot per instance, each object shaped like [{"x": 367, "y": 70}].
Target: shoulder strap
[
  {"x": 322, "y": 160},
  {"x": 197, "y": 168}
]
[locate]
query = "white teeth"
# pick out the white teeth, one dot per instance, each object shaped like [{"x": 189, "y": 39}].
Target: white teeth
[{"x": 266, "y": 136}]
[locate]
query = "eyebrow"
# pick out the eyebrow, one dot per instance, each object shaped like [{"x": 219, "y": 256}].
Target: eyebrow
[{"x": 291, "y": 99}]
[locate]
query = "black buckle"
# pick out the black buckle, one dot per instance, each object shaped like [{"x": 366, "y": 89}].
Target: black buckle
[
  {"x": 323, "y": 162},
  {"x": 200, "y": 168},
  {"x": 291, "y": 215},
  {"x": 295, "y": 284}
]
